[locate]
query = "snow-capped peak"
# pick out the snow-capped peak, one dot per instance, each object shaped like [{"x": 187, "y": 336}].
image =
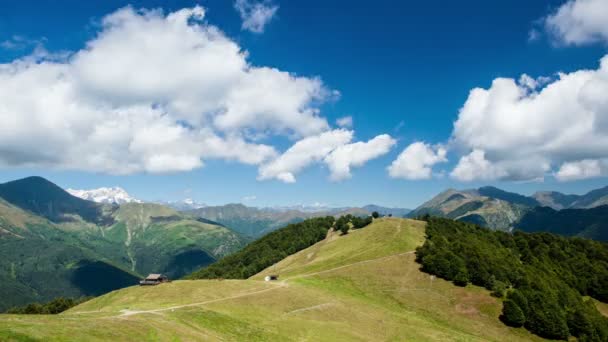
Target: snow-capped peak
[{"x": 104, "y": 195}]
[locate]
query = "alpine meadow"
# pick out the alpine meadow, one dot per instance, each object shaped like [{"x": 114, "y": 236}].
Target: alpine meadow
[{"x": 319, "y": 170}]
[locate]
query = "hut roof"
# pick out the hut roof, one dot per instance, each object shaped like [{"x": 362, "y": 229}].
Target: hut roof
[{"x": 154, "y": 276}]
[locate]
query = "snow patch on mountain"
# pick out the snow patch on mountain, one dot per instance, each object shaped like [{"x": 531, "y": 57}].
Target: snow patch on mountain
[{"x": 105, "y": 195}]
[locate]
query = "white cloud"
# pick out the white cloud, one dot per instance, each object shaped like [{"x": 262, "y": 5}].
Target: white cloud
[
  {"x": 249, "y": 198},
  {"x": 151, "y": 93},
  {"x": 345, "y": 122},
  {"x": 416, "y": 161},
  {"x": 343, "y": 158},
  {"x": 582, "y": 169},
  {"x": 303, "y": 153},
  {"x": 255, "y": 14},
  {"x": 522, "y": 131},
  {"x": 475, "y": 166},
  {"x": 579, "y": 22}
]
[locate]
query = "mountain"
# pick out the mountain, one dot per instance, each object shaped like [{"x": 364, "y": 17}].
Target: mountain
[
  {"x": 184, "y": 205},
  {"x": 39, "y": 261},
  {"x": 159, "y": 239},
  {"x": 547, "y": 211},
  {"x": 47, "y": 249},
  {"x": 41, "y": 197},
  {"x": 587, "y": 223},
  {"x": 558, "y": 201},
  {"x": 396, "y": 212},
  {"x": 363, "y": 286},
  {"x": 477, "y": 206},
  {"x": 554, "y": 199},
  {"x": 255, "y": 222},
  {"x": 511, "y": 197},
  {"x": 592, "y": 199},
  {"x": 115, "y": 195}
]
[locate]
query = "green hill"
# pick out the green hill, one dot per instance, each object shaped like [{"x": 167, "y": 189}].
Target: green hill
[{"x": 357, "y": 287}]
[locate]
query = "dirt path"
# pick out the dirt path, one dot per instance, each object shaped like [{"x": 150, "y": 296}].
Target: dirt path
[
  {"x": 277, "y": 285},
  {"x": 171, "y": 308}
]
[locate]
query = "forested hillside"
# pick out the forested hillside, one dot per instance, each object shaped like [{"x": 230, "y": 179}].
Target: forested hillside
[
  {"x": 268, "y": 250},
  {"x": 588, "y": 223},
  {"x": 543, "y": 278}
]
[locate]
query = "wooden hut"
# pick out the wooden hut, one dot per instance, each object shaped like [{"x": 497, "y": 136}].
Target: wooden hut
[{"x": 154, "y": 279}]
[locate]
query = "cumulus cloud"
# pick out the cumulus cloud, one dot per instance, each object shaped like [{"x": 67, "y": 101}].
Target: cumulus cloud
[
  {"x": 334, "y": 148},
  {"x": 416, "y": 161},
  {"x": 255, "y": 14},
  {"x": 152, "y": 92},
  {"x": 302, "y": 154},
  {"x": 588, "y": 168},
  {"x": 475, "y": 166},
  {"x": 343, "y": 158},
  {"x": 524, "y": 130},
  {"x": 579, "y": 22},
  {"x": 345, "y": 122}
]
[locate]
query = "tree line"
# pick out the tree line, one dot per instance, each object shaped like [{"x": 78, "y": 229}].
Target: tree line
[
  {"x": 544, "y": 280},
  {"x": 57, "y": 305}
]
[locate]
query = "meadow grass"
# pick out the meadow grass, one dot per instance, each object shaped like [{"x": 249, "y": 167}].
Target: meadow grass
[{"x": 363, "y": 286}]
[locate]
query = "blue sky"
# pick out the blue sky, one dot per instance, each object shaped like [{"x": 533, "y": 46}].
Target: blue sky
[{"x": 404, "y": 69}]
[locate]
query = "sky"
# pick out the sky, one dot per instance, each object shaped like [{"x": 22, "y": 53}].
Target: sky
[{"x": 305, "y": 102}]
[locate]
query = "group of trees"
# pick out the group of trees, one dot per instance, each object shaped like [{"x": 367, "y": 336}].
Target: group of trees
[
  {"x": 344, "y": 223},
  {"x": 542, "y": 278},
  {"x": 53, "y": 307},
  {"x": 278, "y": 245},
  {"x": 268, "y": 250}
]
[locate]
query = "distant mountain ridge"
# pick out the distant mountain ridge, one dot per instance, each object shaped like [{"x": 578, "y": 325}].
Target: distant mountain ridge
[
  {"x": 550, "y": 211},
  {"x": 255, "y": 222}
]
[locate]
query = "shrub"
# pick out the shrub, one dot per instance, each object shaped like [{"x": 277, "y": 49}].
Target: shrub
[{"x": 512, "y": 314}]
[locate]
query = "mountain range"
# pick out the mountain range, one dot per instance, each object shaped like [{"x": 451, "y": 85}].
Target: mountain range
[
  {"x": 246, "y": 220},
  {"x": 255, "y": 222},
  {"x": 570, "y": 215}
]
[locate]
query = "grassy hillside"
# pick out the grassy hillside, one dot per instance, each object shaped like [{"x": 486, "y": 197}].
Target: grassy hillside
[{"x": 362, "y": 286}]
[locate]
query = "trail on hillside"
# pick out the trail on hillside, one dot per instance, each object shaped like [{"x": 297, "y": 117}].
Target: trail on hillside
[
  {"x": 277, "y": 285},
  {"x": 171, "y": 308}
]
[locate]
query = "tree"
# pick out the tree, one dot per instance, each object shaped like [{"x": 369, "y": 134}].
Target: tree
[
  {"x": 461, "y": 278},
  {"x": 512, "y": 314},
  {"x": 344, "y": 229},
  {"x": 375, "y": 214}
]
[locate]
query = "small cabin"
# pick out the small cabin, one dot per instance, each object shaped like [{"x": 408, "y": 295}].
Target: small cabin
[
  {"x": 271, "y": 277},
  {"x": 154, "y": 279}
]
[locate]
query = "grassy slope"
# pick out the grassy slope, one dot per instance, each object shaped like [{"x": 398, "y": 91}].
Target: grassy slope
[{"x": 363, "y": 286}]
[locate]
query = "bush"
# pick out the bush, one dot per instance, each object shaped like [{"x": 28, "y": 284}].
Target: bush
[
  {"x": 375, "y": 214},
  {"x": 512, "y": 314},
  {"x": 461, "y": 278}
]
